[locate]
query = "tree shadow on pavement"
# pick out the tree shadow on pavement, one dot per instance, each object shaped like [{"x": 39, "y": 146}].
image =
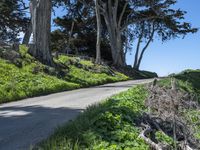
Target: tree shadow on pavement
[{"x": 25, "y": 126}]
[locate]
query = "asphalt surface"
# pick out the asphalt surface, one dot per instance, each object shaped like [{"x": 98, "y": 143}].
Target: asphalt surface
[{"x": 27, "y": 122}]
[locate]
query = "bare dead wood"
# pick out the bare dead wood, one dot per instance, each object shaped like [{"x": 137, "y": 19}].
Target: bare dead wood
[
  {"x": 152, "y": 144},
  {"x": 165, "y": 108}
]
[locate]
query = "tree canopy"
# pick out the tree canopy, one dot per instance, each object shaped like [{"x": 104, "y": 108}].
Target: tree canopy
[
  {"x": 113, "y": 24},
  {"x": 13, "y": 19}
]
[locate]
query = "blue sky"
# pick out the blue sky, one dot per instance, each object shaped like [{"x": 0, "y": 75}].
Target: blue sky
[
  {"x": 179, "y": 54},
  {"x": 175, "y": 55}
]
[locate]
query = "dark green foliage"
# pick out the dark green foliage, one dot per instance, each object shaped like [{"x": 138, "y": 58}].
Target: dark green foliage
[
  {"x": 12, "y": 19},
  {"x": 83, "y": 44},
  {"x": 81, "y": 39}
]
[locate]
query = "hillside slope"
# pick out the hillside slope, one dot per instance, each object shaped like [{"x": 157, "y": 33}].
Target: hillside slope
[
  {"x": 188, "y": 80},
  {"x": 192, "y": 77},
  {"x": 22, "y": 76}
]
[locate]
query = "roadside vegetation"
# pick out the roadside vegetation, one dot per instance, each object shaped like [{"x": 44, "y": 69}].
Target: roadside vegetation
[
  {"x": 188, "y": 80},
  {"x": 109, "y": 125},
  {"x": 120, "y": 122},
  {"x": 22, "y": 76},
  {"x": 191, "y": 77}
]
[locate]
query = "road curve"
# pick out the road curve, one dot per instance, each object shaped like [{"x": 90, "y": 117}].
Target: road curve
[{"x": 29, "y": 121}]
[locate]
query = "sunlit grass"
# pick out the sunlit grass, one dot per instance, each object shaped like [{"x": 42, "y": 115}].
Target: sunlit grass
[{"x": 32, "y": 78}]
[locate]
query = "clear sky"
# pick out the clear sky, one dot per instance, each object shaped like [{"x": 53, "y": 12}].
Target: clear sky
[{"x": 175, "y": 55}]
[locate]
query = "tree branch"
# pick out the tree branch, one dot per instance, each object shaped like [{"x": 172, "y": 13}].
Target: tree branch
[
  {"x": 138, "y": 47},
  {"x": 139, "y": 20},
  {"x": 122, "y": 14}
]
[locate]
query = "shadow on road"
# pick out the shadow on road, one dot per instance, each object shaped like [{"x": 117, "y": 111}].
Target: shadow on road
[{"x": 25, "y": 126}]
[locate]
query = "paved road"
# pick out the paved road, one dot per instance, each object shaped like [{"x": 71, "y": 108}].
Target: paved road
[{"x": 27, "y": 122}]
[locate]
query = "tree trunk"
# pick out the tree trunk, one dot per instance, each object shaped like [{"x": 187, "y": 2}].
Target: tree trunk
[
  {"x": 138, "y": 58},
  {"x": 126, "y": 47},
  {"x": 138, "y": 50},
  {"x": 120, "y": 60},
  {"x": 119, "y": 57},
  {"x": 113, "y": 23},
  {"x": 98, "y": 44},
  {"x": 144, "y": 49},
  {"x": 41, "y": 23},
  {"x": 136, "y": 54},
  {"x": 27, "y": 35}
]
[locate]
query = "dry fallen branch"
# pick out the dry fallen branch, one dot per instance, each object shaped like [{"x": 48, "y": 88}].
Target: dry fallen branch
[
  {"x": 165, "y": 113},
  {"x": 144, "y": 135}
]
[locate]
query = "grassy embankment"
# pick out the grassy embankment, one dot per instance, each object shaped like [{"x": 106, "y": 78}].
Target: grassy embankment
[
  {"x": 28, "y": 78},
  {"x": 112, "y": 124}
]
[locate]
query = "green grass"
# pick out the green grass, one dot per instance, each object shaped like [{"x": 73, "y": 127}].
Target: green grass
[
  {"x": 30, "y": 78},
  {"x": 188, "y": 80},
  {"x": 87, "y": 73},
  {"x": 105, "y": 126},
  {"x": 191, "y": 77},
  {"x": 17, "y": 83}
]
